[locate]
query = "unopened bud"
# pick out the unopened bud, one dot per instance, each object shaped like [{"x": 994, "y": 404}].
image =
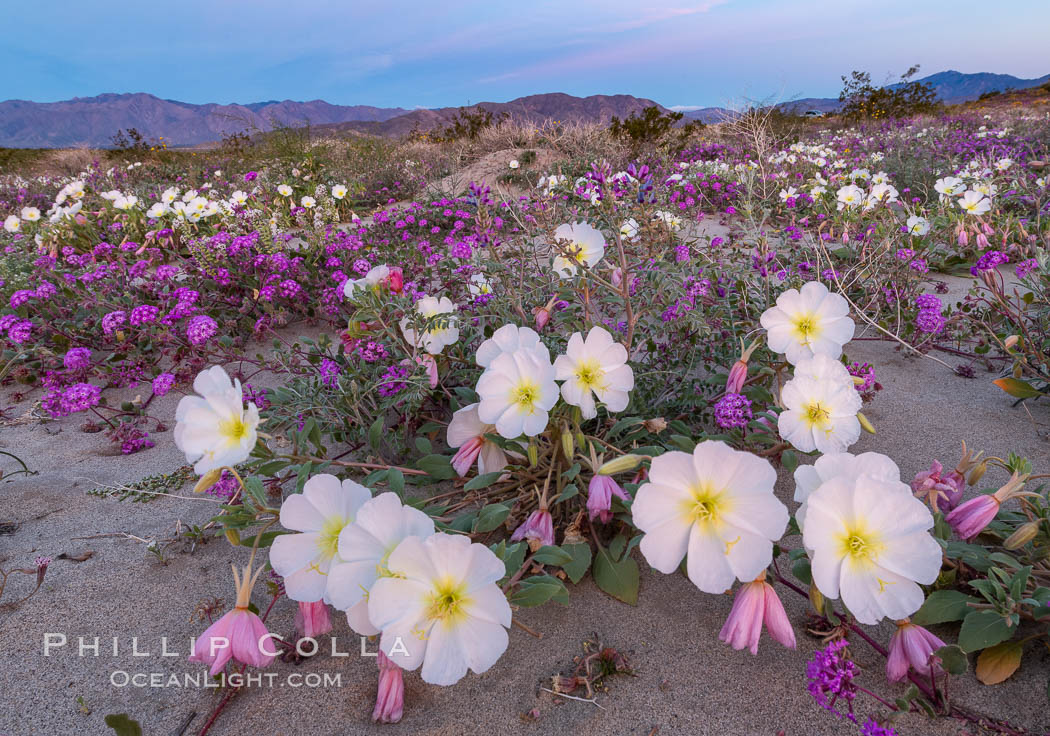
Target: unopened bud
[
  {"x": 1024, "y": 534},
  {"x": 581, "y": 442},
  {"x": 656, "y": 425},
  {"x": 816, "y": 598},
  {"x": 865, "y": 424},
  {"x": 620, "y": 464},
  {"x": 534, "y": 455},
  {"x": 567, "y": 443},
  {"x": 233, "y": 537},
  {"x": 977, "y": 473},
  {"x": 208, "y": 480},
  {"x": 1011, "y": 341},
  {"x": 543, "y": 316}
]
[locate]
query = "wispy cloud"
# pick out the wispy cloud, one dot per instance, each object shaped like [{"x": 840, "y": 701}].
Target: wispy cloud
[{"x": 656, "y": 15}]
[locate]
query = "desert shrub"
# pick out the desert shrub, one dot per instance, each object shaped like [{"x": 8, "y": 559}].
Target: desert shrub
[{"x": 862, "y": 100}]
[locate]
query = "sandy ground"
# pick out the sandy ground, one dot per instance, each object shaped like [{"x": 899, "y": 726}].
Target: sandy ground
[{"x": 685, "y": 682}]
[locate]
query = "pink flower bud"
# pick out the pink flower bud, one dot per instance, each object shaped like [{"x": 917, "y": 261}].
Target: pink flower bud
[
  {"x": 911, "y": 646},
  {"x": 466, "y": 455},
  {"x": 430, "y": 363},
  {"x": 988, "y": 229},
  {"x": 539, "y": 526},
  {"x": 390, "y": 699},
  {"x": 312, "y": 620},
  {"x": 757, "y": 603},
  {"x": 617, "y": 276},
  {"x": 396, "y": 280},
  {"x": 737, "y": 376},
  {"x": 943, "y": 489},
  {"x": 969, "y": 519},
  {"x": 239, "y": 635},
  {"x": 963, "y": 237},
  {"x": 982, "y": 240},
  {"x": 600, "y": 491},
  {"x": 543, "y": 316}
]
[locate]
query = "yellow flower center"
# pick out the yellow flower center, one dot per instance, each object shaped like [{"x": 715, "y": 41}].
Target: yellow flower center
[
  {"x": 815, "y": 414},
  {"x": 233, "y": 430},
  {"x": 806, "y": 328},
  {"x": 705, "y": 506},
  {"x": 328, "y": 537},
  {"x": 525, "y": 396},
  {"x": 448, "y": 601},
  {"x": 859, "y": 544},
  {"x": 590, "y": 374}
]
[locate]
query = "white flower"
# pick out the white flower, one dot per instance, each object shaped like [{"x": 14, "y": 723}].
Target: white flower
[
  {"x": 157, "y": 210},
  {"x": 217, "y": 174},
  {"x": 808, "y": 322},
  {"x": 307, "y": 202},
  {"x": 479, "y": 285},
  {"x": 948, "y": 186},
  {"x": 320, "y": 512},
  {"x": 197, "y": 205},
  {"x": 379, "y": 526},
  {"x": 869, "y": 545},
  {"x": 580, "y": 245},
  {"x": 239, "y": 198},
  {"x": 467, "y": 433},
  {"x": 786, "y": 194},
  {"x": 985, "y": 188},
  {"x": 215, "y": 429},
  {"x": 717, "y": 504},
  {"x": 442, "y": 332},
  {"x": 850, "y": 196},
  {"x": 974, "y": 203},
  {"x": 672, "y": 221},
  {"x": 820, "y": 407},
  {"x": 817, "y": 191},
  {"x": 339, "y": 191},
  {"x": 189, "y": 196},
  {"x": 508, "y": 339},
  {"x": 809, "y": 477},
  {"x": 12, "y": 224},
  {"x": 514, "y": 163},
  {"x": 444, "y": 607},
  {"x": 126, "y": 203},
  {"x": 629, "y": 228},
  {"x": 284, "y": 190},
  {"x": 30, "y": 214},
  {"x": 1003, "y": 164},
  {"x": 517, "y": 390},
  {"x": 595, "y": 367},
  {"x": 918, "y": 225},
  {"x": 375, "y": 276}
]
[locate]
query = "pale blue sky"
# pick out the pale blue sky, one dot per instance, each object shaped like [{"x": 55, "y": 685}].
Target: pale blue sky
[{"x": 431, "y": 54}]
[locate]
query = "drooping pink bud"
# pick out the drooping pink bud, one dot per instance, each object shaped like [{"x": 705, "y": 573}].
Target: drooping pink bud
[
  {"x": 543, "y": 316},
  {"x": 757, "y": 603},
  {"x": 737, "y": 376},
  {"x": 239, "y": 635},
  {"x": 600, "y": 491},
  {"x": 969, "y": 519},
  {"x": 396, "y": 279},
  {"x": 430, "y": 363},
  {"x": 538, "y": 526},
  {"x": 988, "y": 229},
  {"x": 390, "y": 699},
  {"x": 911, "y": 646},
  {"x": 982, "y": 240},
  {"x": 312, "y": 619},
  {"x": 617, "y": 276},
  {"x": 963, "y": 239},
  {"x": 466, "y": 455}
]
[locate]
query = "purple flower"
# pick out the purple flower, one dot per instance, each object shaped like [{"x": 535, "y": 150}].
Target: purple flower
[
  {"x": 930, "y": 321},
  {"x": 21, "y": 296},
  {"x": 733, "y": 410},
  {"x": 871, "y": 727},
  {"x": 1026, "y": 267},
  {"x": 143, "y": 314},
  {"x": 20, "y": 331},
  {"x": 77, "y": 359},
  {"x": 928, "y": 301},
  {"x": 989, "y": 261},
  {"x": 251, "y": 176},
  {"x": 390, "y": 383},
  {"x": 329, "y": 371},
  {"x": 865, "y": 371},
  {"x": 830, "y": 674},
  {"x": 113, "y": 321},
  {"x": 163, "y": 383},
  {"x": 200, "y": 329}
]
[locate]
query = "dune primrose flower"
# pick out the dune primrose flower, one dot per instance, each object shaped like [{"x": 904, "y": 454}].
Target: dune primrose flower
[
  {"x": 215, "y": 429},
  {"x": 595, "y": 368},
  {"x": 808, "y": 322}
]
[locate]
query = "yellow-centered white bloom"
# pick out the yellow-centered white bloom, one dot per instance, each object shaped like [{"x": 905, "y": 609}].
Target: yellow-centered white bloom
[
  {"x": 379, "y": 525},
  {"x": 514, "y": 163},
  {"x": 321, "y": 513},
  {"x": 239, "y": 198},
  {"x": 508, "y": 339},
  {"x": 850, "y": 196},
  {"x": 339, "y": 191},
  {"x": 517, "y": 391},
  {"x": 12, "y": 224},
  {"x": 579, "y": 245},
  {"x": 810, "y": 477},
  {"x": 284, "y": 190},
  {"x": 594, "y": 368},
  {"x": 629, "y": 228},
  {"x": 820, "y": 407},
  {"x": 717, "y": 505},
  {"x": 307, "y": 202},
  {"x": 441, "y": 608},
  {"x": 813, "y": 321},
  {"x": 949, "y": 186},
  {"x": 918, "y": 226},
  {"x": 442, "y": 330},
  {"x": 157, "y": 210},
  {"x": 30, "y": 214},
  {"x": 215, "y": 429},
  {"x": 974, "y": 203},
  {"x": 375, "y": 276},
  {"x": 869, "y": 545}
]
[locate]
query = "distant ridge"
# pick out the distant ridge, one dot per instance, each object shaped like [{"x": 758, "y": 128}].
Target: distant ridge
[{"x": 92, "y": 121}]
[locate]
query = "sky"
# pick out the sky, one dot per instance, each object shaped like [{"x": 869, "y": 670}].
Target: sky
[{"x": 402, "y": 53}]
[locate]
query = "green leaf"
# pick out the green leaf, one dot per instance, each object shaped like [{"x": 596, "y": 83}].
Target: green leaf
[
  {"x": 943, "y": 606},
  {"x": 254, "y": 488},
  {"x": 789, "y": 460},
  {"x": 567, "y": 492},
  {"x": 123, "y": 724},
  {"x": 490, "y": 517},
  {"x": 375, "y": 433},
  {"x": 424, "y": 446},
  {"x": 396, "y": 480},
  {"x": 549, "y": 555},
  {"x": 618, "y": 579},
  {"x": 539, "y": 589},
  {"x": 482, "y": 481},
  {"x": 982, "y": 629},
  {"x": 1017, "y": 388},
  {"x": 581, "y": 561},
  {"x": 953, "y": 658},
  {"x": 436, "y": 466},
  {"x": 802, "y": 571}
]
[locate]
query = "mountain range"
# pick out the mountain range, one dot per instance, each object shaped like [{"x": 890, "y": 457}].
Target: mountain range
[{"x": 93, "y": 121}]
